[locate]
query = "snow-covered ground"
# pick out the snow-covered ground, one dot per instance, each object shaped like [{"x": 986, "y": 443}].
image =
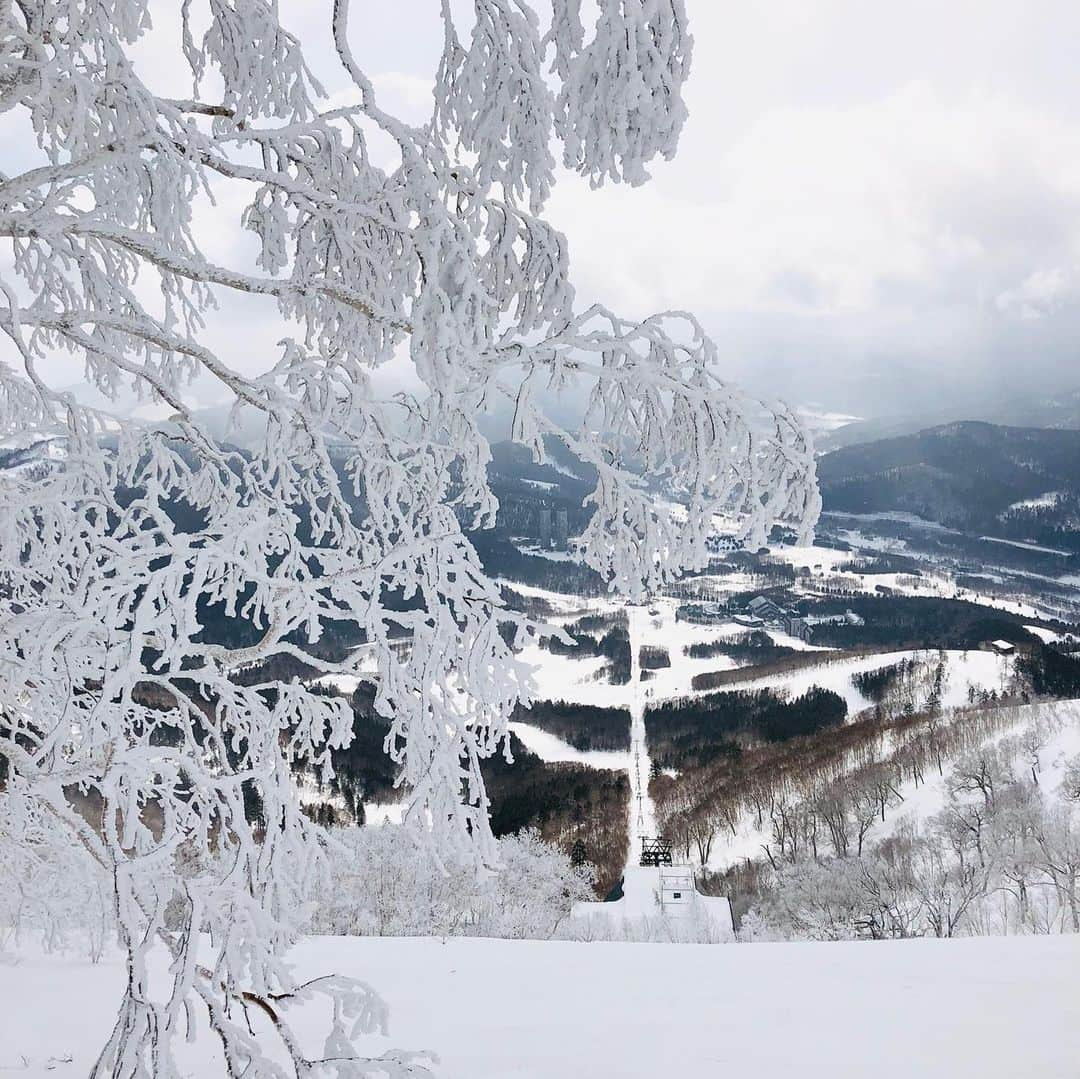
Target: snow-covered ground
[
  {"x": 995, "y": 1008},
  {"x": 991, "y": 1007},
  {"x": 1044, "y": 500},
  {"x": 559, "y": 677},
  {"x": 1047, "y": 635},
  {"x": 642, "y": 812},
  {"x": 641, "y": 914},
  {"x": 548, "y": 553},
  {"x": 1026, "y": 546},
  {"x": 551, "y": 748},
  {"x": 811, "y": 557},
  {"x": 897, "y": 516},
  {"x": 565, "y": 602},
  {"x": 1060, "y": 718},
  {"x": 563, "y": 678},
  {"x": 964, "y": 671},
  {"x": 936, "y": 580},
  {"x": 376, "y": 813},
  {"x": 797, "y": 644}
]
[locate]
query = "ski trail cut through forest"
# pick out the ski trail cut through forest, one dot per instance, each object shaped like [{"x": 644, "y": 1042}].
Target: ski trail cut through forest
[{"x": 642, "y": 810}]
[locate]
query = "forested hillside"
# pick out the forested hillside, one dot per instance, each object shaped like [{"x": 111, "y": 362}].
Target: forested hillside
[{"x": 1009, "y": 481}]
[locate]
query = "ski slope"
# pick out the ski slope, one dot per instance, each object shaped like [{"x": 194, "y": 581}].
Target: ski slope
[
  {"x": 996, "y": 1008},
  {"x": 553, "y": 749}
]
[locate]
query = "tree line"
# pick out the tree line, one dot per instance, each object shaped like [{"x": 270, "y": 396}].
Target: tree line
[
  {"x": 584, "y": 726},
  {"x": 790, "y": 790},
  {"x": 689, "y": 731}
]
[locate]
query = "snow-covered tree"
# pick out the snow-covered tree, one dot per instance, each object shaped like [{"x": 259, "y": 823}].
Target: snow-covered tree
[
  {"x": 1002, "y": 855},
  {"x": 383, "y": 888},
  {"x": 48, "y": 886},
  {"x": 121, "y": 716},
  {"x": 1070, "y": 782}
]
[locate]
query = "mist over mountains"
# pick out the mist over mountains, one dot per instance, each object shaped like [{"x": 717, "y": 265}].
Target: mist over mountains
[{"x": 1061, "y": 410}]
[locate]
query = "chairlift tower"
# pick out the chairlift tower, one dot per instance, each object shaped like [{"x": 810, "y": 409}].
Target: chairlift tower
[{"x": 654, "y": 852}]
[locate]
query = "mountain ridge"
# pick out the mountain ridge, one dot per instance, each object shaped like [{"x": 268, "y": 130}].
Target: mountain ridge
[{"x": 1018, "y": 482}]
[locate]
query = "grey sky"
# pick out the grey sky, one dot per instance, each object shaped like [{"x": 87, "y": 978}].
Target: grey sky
[
  {"x": 865, "y": 192},
  {"x": 873, "y": 203}
]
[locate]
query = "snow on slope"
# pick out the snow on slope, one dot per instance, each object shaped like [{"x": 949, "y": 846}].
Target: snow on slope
[
  {"x": 377, "y": 813},
  {"x": 642, "y": 810},
  {"x": 964, "y": 670},
  {"x": 1061, "y": 718},
  {"x": 935, "y": 580},
  {"x": 551, "y": 748},
  {"x": 1042, "y": 501},
  {"x": 639, "y": 915},
  {"x": 996, "y": 1008},
  {"x": 560, "y": 677},
  {"x": 1026, "y": 546},
  {"x": 563, "y": 678},
  {"x": 785, "y": 640}
]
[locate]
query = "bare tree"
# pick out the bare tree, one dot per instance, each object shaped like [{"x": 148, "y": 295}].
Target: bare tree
[
  {"x": 1033, "y": 740},
  {"x": 947, "y": 889},
  {"x": 832, "y": 807},
  {"x": 1014, "y": 826},
  {"x": 981, "y": 771},
  {"x": 1070, "y": 782},
  {"x": 702, "y": 830},
  {"x": 1058, "y": 843}
]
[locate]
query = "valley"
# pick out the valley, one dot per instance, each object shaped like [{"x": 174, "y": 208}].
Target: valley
[{"x": 723, "y": 723}]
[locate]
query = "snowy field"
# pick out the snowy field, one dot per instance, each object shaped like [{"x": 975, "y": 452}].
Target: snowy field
[
  {"x": 996, "y": 1008},
  {"x": 937, "y": 574},
  {"x": 559, "y": 677}
]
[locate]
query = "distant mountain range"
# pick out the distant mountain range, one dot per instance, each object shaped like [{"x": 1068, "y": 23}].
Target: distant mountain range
[
  {"x": 1014, "y": 482},
  {"x": 1021, "y": 482}
]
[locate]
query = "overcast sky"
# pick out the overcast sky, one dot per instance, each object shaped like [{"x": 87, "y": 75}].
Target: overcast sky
[
  {"x": 874, "y": 205},
  {"x": 873, "y": 202}
]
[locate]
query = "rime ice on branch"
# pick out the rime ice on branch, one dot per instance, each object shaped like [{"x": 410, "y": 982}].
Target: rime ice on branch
[{"x": 110, "y": 686}]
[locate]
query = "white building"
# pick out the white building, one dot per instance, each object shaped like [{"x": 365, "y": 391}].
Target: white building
[{"x": 676, "y": 891}]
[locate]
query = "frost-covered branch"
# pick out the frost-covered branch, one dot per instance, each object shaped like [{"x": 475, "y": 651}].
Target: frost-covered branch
[{"x": 143, "y": 565}]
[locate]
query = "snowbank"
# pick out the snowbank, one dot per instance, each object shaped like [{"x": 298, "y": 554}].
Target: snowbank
[{"x": 640, "y": 916}]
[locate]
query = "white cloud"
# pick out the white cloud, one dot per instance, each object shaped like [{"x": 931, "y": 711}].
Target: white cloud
[
  {"x": 1040, "y": 294},
  {"x": 915, "y": 227},
  {"x": 910, "y": 200}
]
